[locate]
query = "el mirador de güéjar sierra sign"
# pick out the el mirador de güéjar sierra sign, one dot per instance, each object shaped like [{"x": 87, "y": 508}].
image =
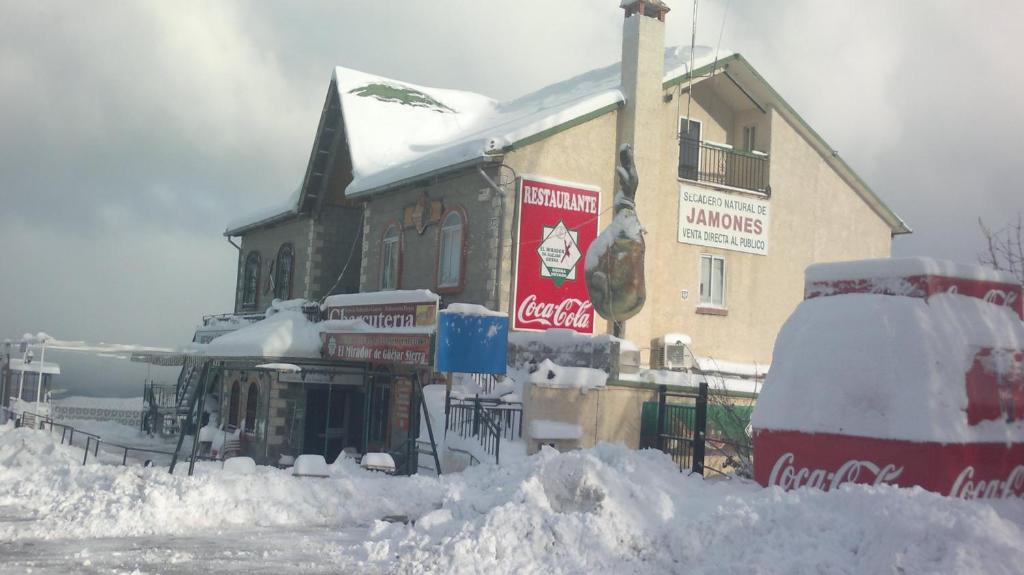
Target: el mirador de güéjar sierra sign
[{"x": 557, "y": 223}]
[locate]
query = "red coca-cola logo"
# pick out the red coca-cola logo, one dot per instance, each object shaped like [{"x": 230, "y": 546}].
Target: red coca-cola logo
[
  {"x": 787, "y": 475},
  {"x": 569, "y": 313}
]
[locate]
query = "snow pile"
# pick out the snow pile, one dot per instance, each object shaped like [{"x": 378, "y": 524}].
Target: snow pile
[
  {"x": 612, "y": 510},
  {"x": 47, "y": 483},
  {"x": 283, "y": 334},
  {"x": 549, "y": 374},
  {"x": 893, "y": 367},
  {"x": 602, "y": 510}
]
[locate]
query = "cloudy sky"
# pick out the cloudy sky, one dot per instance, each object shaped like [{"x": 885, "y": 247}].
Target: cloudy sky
[{"x": 131, "y": 132}]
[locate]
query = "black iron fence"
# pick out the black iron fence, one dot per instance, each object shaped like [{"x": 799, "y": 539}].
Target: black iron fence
[
  {"x": 88, "y": 442},
  {"x": 677, "y": 425},
  {"x": 489, "y": 420},
  {"x": 703, "y": 162}
]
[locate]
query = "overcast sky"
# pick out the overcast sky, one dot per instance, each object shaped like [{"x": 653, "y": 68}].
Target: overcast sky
[{"x": 131, "y": 132}]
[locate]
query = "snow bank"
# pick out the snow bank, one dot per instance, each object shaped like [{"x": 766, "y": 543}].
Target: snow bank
[
  {"x": 893, "y": 367},
  {"x": 602, "y": 510},
  {"x": 549, "y": 374},
  {"x": 47, "y": 483}
]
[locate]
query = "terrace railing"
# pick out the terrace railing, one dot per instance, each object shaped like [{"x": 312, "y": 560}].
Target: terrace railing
[{"x": 701, "y": 161}]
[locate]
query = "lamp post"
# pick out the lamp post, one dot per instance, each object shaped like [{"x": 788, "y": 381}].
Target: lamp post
[
  {"x": 26, "y": 359},
  {"x": 42, "y": 362},
  {"x": 5, "y": 399}
]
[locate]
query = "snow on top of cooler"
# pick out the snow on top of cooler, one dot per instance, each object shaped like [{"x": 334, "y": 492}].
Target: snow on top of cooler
[
  {"x": 382, "y": 297},
  {"x": 398, "y": 130},
  {"x": 902, "y": 268},
  {"x": 547, "y": 429},
  {"x": 560, "y": 337},
  {"x": 472, "y": 309},
  {"x": 886, "y": 367},
  {"x": 550, "y": 374}
]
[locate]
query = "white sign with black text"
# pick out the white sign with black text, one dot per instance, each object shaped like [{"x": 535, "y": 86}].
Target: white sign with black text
[{"x": 723, "y": 220}]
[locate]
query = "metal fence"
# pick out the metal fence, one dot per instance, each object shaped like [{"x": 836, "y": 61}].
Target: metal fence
[
  {"x": 489, "y": 420},
  {"x": 677, "y": 425},
  {"x": 703, "y": 162},
  {"x": 92, "y": 443}
]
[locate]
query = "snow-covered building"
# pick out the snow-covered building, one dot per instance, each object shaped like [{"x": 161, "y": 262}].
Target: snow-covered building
[{"x": 410, "y": 187}]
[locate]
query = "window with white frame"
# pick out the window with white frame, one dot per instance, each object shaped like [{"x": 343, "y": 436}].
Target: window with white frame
[
  {"x": 750, "y": 138},
  {"x": 390, "y": 251},
  {"x": 449, "y": 265},
  {"x": 712, "y": 281}
]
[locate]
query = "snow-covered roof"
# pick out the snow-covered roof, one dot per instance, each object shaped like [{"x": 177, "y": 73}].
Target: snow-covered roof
[
  {"x": 381, "y": 297},
  {"x": 48, "y": 368},
  {"x": 398, "y": 131}
]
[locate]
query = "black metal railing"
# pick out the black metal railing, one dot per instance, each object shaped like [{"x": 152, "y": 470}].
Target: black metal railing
[
  {"x": 703, "y": 162},
  {"x": 681, "y": 427},
  {"x": 488, "y": 420},
  {"x": 92, "y": 443}
]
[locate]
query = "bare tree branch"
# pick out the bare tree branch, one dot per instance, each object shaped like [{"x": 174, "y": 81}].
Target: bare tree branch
[{"x": 1005, "y": 247}]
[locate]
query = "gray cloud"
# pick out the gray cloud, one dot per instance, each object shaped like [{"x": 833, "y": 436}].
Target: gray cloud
[{"x": 132, "y": 132}]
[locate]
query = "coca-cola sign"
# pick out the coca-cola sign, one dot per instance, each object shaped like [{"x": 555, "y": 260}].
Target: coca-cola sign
[
  {"x": 923, "y": 286},
  {"x": 793, "y": 459},
  {"x": 557, "y": 223}
]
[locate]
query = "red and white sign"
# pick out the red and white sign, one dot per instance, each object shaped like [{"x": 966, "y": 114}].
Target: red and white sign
[
  {"x": 557, "y": 223},
  {"x": 923, "y": 286},
  {"x": 791, "y": 459}
]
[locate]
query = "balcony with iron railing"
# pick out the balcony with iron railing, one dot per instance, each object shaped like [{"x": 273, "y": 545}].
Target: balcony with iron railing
[{"x": 702, "y": 161}]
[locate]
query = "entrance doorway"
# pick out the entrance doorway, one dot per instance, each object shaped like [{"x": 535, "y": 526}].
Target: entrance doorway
[{"x": 334, "y": 419}]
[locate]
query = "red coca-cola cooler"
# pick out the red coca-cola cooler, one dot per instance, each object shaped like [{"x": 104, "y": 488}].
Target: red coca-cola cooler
[{"x": 898, "y": 371}]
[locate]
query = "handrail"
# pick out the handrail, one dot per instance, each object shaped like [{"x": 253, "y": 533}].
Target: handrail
[{"x": 92, "y": 440}]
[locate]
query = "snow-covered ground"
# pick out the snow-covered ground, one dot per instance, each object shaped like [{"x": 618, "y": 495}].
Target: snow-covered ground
[{"x": 602, "y": 510}]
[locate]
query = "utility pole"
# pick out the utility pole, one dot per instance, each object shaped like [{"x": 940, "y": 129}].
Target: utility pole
[{"x": 5, "y": 399}]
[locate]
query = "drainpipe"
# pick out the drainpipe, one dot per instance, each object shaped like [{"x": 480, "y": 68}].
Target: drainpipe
[
  {"x": 501, "y": 227},
  {"x": 238, "y": 269}
]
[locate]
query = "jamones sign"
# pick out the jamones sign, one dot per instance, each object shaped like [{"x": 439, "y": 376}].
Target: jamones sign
[
  {"x": 557, "y": 223},
  {"x": 720, "y": 220}
]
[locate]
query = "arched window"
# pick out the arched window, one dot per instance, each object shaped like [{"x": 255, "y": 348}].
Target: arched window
[
  {"x": 251, "y": 400},
  {"x": 390, "y": 257},
  {"x": 450, "y": 250},
  {"x": 250, "y": 279},
  {"x": 283, "y": 272},
  {"x": 234, "y": 404}
]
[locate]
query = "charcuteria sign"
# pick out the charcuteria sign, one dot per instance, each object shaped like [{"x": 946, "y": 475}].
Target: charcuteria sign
[{"x": 557, "y": 223}]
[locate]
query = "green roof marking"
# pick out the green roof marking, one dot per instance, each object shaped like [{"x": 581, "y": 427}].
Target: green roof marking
[{"x": 400, "y": 95}]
